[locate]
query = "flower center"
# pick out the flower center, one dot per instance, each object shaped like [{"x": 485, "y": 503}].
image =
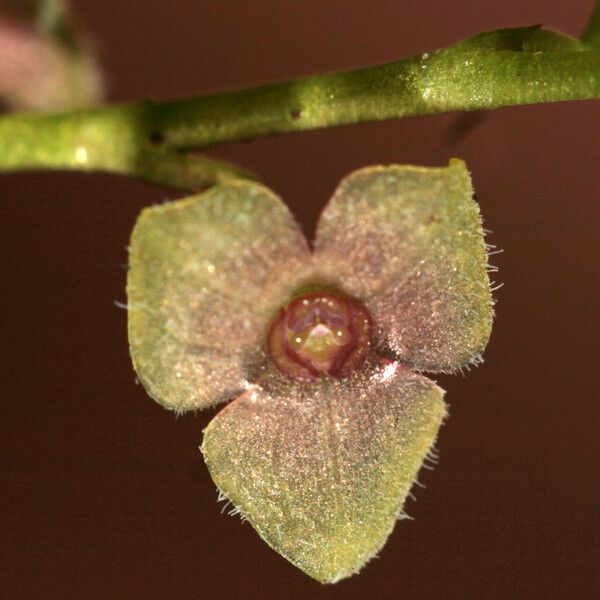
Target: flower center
[{"x": 319, "y": 333}]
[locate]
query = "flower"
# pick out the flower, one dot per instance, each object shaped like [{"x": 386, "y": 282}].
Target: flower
[{"x": 322, "y": 350}]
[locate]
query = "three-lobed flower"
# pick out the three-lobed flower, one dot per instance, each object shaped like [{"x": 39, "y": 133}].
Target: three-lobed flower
[{"x": 320, "y": 351}]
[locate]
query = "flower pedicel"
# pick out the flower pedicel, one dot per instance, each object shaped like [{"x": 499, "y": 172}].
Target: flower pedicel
[{"x": 320, "y": 352}]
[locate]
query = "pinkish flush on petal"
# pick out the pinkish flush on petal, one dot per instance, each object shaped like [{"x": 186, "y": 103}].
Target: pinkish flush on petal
[{"x": 320, "y": 333}]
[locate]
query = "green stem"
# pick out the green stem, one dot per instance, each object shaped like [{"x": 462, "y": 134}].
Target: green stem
[
  {"x": 114, "y": 139},
  {"x": 490, "y": 70}
]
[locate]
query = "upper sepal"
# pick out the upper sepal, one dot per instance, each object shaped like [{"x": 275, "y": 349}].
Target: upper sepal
[
  {"x": 206, "y": 274},
  {"x": 408, "y": 241}
]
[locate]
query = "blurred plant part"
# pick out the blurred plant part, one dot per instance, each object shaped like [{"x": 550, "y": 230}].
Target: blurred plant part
[
  {"x": 46, "y": 64},
  {"x": 591, "y": 35}
]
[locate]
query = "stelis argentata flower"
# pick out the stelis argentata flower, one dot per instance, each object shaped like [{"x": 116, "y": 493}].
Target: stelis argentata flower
[{"x": 319, "y": 352}]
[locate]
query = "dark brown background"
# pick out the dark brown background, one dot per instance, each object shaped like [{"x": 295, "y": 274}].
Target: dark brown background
[{"x": 105, "y": 494}]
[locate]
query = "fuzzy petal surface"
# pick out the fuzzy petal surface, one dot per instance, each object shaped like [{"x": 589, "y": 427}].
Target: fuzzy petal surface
[
  {"x": 408, "y": 241},
  {"x": 206, "y": 274},
  {"x": 321, "y": 471}
]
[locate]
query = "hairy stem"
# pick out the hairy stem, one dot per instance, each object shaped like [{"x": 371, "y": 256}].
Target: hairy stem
[{"x": 490, "y": 70}]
